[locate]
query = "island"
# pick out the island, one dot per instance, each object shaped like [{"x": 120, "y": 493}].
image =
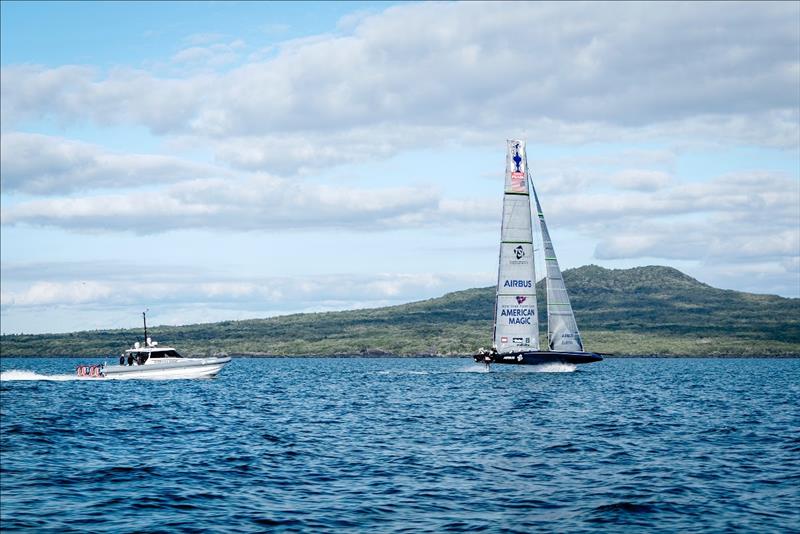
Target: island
[{"x": 642, "y": 311}]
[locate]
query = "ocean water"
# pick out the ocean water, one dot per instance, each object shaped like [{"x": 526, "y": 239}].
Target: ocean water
[{"x": 404, "y": 445}]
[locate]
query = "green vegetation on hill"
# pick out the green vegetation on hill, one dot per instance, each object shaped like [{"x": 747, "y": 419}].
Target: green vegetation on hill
[{"x": 640, "y": 311}]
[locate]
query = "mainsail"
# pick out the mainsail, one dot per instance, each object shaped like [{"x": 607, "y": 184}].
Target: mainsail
[
  {"x": 562, "y": 330},
  {"x": 516, "y": 325}
]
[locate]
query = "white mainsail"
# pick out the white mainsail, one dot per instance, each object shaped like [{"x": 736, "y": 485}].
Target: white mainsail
[
  {"x": 562, "y": 330},
  {"x": 516, "y": 325}
]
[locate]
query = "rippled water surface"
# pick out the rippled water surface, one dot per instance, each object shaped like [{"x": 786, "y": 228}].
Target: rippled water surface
[{"x": 404, "y": 445}]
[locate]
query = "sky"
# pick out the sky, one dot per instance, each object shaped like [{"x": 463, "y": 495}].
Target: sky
[{"x": 223, "y": 160}]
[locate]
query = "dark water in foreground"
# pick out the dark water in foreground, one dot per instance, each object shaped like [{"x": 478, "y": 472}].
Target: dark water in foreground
[{"x": 393, "y": 445}]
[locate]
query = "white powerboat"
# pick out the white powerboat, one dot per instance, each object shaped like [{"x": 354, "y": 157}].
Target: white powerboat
[{"x": 152, "y": 361}]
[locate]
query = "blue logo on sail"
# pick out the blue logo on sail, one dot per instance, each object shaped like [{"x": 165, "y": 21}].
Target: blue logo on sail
[{"x": 517, "y": 159}]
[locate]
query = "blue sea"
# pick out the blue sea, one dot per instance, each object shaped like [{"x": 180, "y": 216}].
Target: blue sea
[{"x": 404, "y": 445}]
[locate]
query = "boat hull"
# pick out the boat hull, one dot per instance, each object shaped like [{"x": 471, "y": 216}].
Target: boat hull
[
  {"x": 539, "y": 357},
  {"x": 188, "y": 368}
]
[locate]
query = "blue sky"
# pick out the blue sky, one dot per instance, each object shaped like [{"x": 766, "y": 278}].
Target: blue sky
[
  {"x": 228, "y": 160},
  {"x": 108, "y": 34}
]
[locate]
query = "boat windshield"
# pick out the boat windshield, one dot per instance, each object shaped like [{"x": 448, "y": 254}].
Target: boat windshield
[
  {"x": 165, "y": 354},
  {"x": 138, "y": 357}
]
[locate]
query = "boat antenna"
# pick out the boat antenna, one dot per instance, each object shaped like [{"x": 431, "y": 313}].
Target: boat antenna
[{"x": 144, "y": 318}]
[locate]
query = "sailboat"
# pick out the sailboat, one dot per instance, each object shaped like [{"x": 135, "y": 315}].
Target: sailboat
[{"x": 516, "y": 321}]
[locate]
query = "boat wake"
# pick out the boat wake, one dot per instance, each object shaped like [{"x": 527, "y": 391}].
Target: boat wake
[
  {"x": 557, "y": 367},
  {"x": 395, "y": 372},
  {"x": 474, "y": 368},
  {"x": 19, "y": 375},
  {"x": 16, "y": 375}
]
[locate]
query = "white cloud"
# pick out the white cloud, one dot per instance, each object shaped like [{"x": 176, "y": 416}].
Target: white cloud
[
  {"x": 641, "y": 179},
  {"x": 625, "y": 157},
  {"x": 742, "y": 230},
  {"x": 755, "y": 276},
  {"x": 210, "y": 55},
  {"x": 121, "y": 287},
  {"x": 40, "y": 164},
  {"x": 283, "y": 292},
  {"x": 759, "y": 196},
  {"x": 710, "y": 242},
  {"x": 416, "y": 76},
  {"x": 252, "y": 203},
  {"x": 578, "y": 72},
  {"x": 49, "y": 293}
]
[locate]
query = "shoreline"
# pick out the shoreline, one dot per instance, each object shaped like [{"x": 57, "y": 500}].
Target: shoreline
[{"x": 433, "y": 356}]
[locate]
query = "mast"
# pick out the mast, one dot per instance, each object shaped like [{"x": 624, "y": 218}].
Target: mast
[
  {"x": 144, "y": 318},
  {"x": 516, "y": 325},
  {"x": 562, "y": 329}
]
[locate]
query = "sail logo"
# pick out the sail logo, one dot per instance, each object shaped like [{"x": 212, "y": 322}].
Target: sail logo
[
  {"x": 518, "y": 182},
  {"x": 521, "y": 299},
  {"x": 518, "y": 315},
  {"x": 517, "y": 158},
  {"x": 516, "y": 256},
  {"x": 517, "y": 312},
  {"x": 517, "y": 283}
]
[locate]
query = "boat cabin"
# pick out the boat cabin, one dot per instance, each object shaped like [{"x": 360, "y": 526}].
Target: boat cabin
[{"x": 151, "y": 353}]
